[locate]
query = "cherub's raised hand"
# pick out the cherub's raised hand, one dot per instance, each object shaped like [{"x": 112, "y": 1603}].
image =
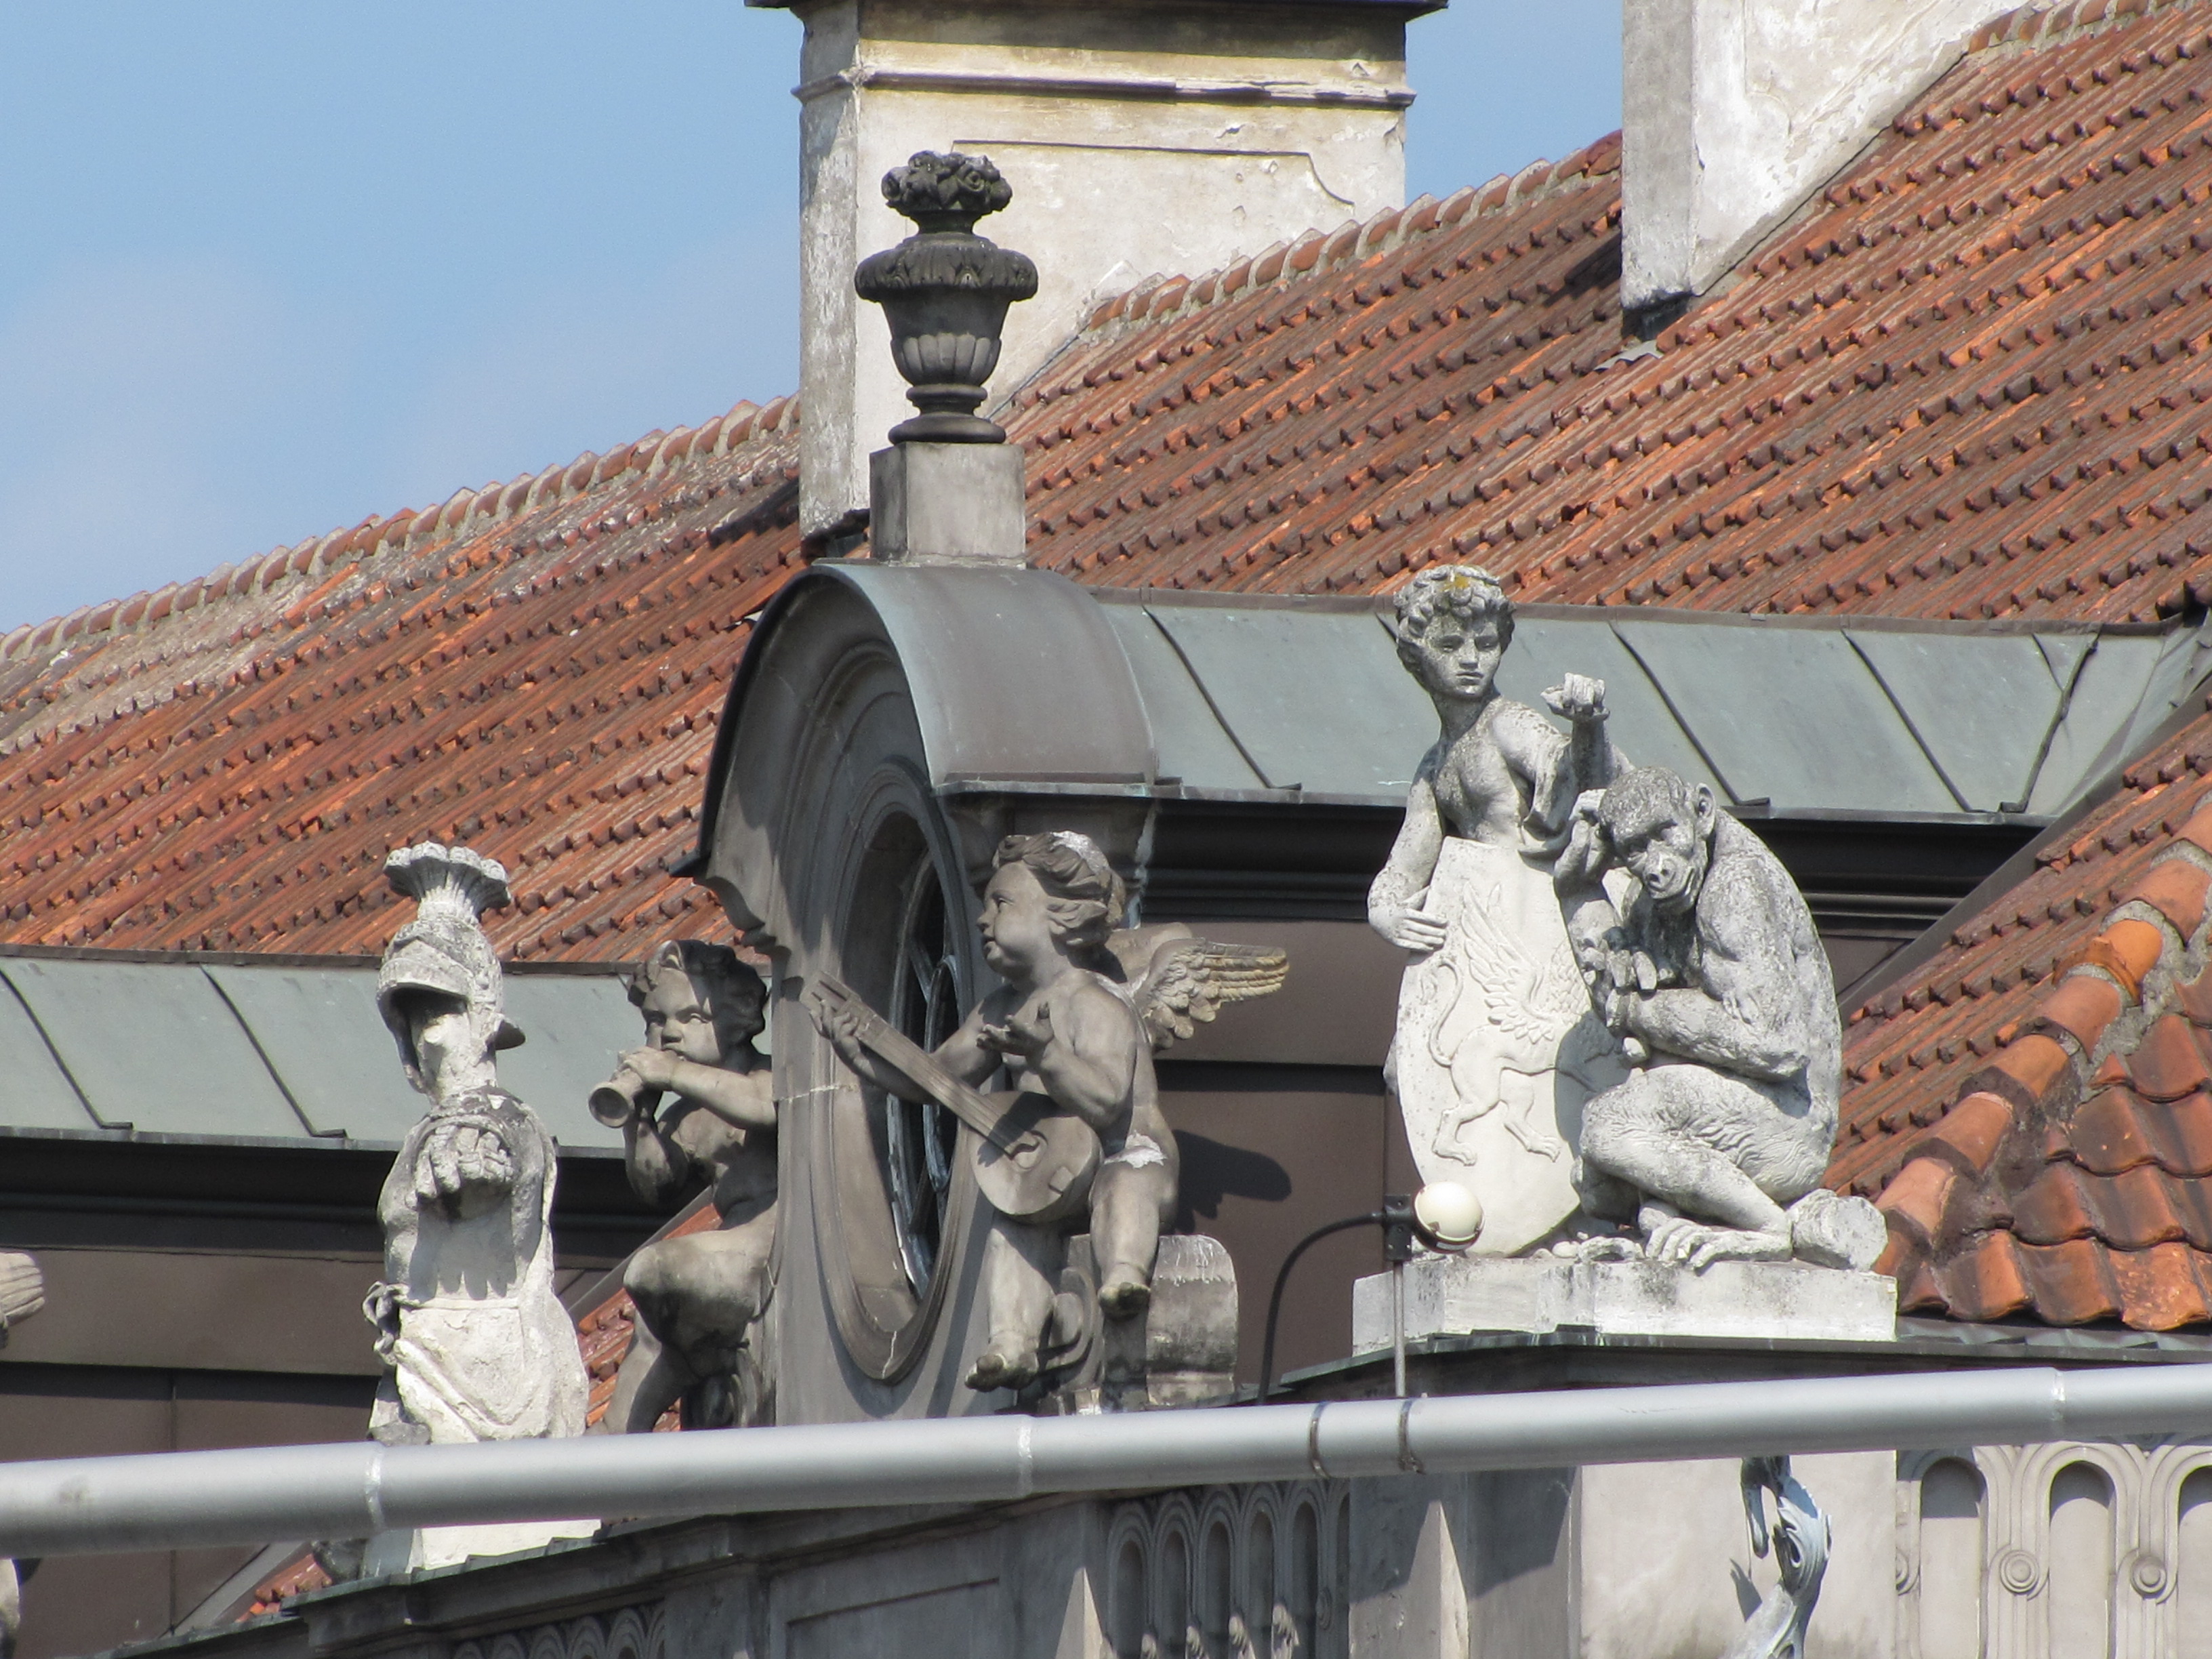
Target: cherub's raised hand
[
  {"x": 1577, "y": 697},
  {"x": 1024, "y": 1039}
]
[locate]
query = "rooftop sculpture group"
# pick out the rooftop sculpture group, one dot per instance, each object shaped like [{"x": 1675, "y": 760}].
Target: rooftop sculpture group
[{"x": 1618, "y": 1011}]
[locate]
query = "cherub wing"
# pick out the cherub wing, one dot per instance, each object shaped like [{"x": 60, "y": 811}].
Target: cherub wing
[{"x": 1189, "y": 980}]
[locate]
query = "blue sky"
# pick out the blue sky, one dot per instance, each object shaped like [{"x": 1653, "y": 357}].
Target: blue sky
[{"x": 267, "y": 267}]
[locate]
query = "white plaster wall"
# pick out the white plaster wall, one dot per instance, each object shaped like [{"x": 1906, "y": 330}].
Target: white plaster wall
[
  {"x": 1734, "y": 111},
  {"x": 1143, "y": 142},
  {"x": 1667, "y": 1572}
]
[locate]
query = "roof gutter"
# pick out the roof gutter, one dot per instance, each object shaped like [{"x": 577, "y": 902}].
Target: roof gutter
[{"x": 187, "y": 1499}]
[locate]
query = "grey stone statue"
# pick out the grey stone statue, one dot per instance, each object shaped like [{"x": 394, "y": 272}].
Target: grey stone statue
[
  {"x": 1712, "y": 975},
  {"x": 697, "y": 1101},
  {"x": 1497, "y": 1048},
  {"x": 1082, "y": 1008},
  {"x": 475, "y": 1343}
]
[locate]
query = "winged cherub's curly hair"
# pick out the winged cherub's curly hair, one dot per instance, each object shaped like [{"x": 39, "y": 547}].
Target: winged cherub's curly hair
[
  {"x": 735, "y": 992},
  {"x": 1084, "y": 896},
  {"x": 1464, "y": 591}
]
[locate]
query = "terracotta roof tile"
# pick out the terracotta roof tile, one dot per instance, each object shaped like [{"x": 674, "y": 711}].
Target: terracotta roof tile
[
  {"x": 2108, "y": 1135},
  {"x": 2070, "y": 1284},
  {"x": 1971, "y": 1132},
  {"x": 2170, "y": 1062},
  {"x": 2176, "y": 890},
  {"x": 2051, "y": 1212},
  {"x": 2081, "y": 1007},
  {"x": 2180, "y": 1134},
  {"x": 2162, "y": 1288},
  {"x": 1990, "y": 1281}
]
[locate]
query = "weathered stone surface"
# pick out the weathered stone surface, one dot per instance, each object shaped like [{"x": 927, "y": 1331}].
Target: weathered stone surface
[
  {"x": 958, "y": 503},
  {"x": 1181, "y": 1352},
  {"x": 1067, "y": 102},
  {"x": 1450, "y": 1295},
  {"x": 1830, "y": 1229}
]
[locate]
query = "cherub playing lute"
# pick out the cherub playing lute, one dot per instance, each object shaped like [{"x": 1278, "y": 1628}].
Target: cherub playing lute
[{"x": 1083, "y": 1007}]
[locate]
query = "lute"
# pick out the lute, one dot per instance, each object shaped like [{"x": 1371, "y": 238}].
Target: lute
[{"x": 1033, "y": 1160}]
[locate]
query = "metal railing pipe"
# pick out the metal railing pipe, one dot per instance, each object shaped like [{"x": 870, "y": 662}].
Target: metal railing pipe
[{"x": 180, "y": 1500}]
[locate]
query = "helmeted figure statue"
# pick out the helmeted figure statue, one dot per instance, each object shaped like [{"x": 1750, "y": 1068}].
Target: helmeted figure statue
[{"x": 476, "y": 1343}]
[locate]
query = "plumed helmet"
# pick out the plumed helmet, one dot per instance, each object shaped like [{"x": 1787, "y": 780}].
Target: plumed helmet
[{"x": 445, "y": 949}]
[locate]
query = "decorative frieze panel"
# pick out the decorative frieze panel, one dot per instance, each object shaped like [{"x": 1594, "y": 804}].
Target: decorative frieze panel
[
  {"x": 1256, "y": 1572},
  {"x": 636, "y": 1633},
  {"x": 2065, "y": 1550}
]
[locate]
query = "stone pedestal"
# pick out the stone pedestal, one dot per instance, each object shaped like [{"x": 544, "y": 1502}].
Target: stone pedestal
[
  {"x": 947, "y": 503},
  {"x": 1451, "y": 1295},
  {"x": 1181, "y": 1352}
]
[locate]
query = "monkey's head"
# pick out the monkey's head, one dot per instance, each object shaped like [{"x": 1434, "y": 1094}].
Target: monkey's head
[{"x": 1660, "y": 828}]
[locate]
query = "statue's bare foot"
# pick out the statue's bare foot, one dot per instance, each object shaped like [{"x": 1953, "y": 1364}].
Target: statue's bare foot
[
  {"x": 993, "y": 1370},
  {"x": 1677, "y": 1238},
  {"x": 1124, "y": 1298}
]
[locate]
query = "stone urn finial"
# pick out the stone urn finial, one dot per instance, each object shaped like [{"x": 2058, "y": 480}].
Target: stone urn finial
[{"x": 945, "y": 291}]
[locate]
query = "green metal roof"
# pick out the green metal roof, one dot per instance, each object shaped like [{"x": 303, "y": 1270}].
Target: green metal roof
[{"x": 101, "y": 1045}]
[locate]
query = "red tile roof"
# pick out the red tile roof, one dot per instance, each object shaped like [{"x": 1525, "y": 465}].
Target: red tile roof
[
  {"x": 2009, "y": 987},
  {"x": 1969, "y": 382},
  {"x": 2062, "y": 1176},
  {"x": 535, "y": 668}
]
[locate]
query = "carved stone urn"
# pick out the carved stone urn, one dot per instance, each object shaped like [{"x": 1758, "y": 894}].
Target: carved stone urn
[{"x": 945, "y": 291}]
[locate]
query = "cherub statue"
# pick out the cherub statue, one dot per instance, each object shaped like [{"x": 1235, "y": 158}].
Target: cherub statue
[
  {"x": 1075, "y": 1024},
  {"x": 1497, "y": 1048},
  {"x": 476, "y": 1344},
  {"x": 1716, "y": 1145},
  {"x": 700, "y": 1294}
]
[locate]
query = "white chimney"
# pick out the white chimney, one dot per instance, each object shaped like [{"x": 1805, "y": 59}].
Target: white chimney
[
  {"x": 1139, "y": 139},
  {"x": 1734, "y": 112}
]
